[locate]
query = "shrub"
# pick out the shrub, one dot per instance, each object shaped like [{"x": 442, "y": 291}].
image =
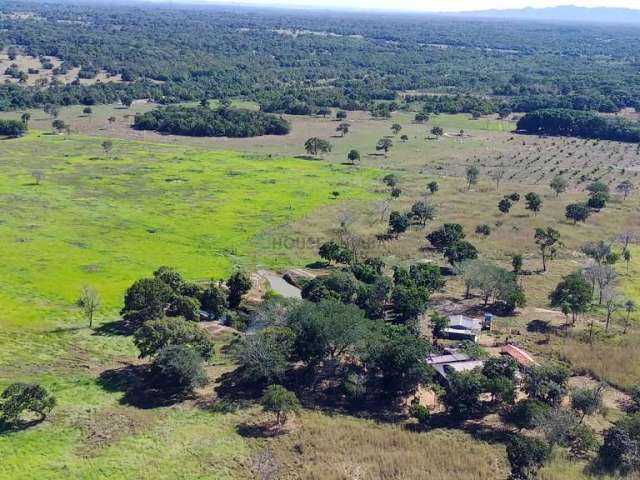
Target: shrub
[
  {"x": 19, "y": 398},
  {"x": 179, "y": 368},
  {"x": 421, "y": 413},
  {"x": 279, "y": 400},
  {"x": 526, "y": 456},
  {"x": 483, "y": 229},
  {"x": 155, "y": 335},
  {"x": 13, "y": 128}
]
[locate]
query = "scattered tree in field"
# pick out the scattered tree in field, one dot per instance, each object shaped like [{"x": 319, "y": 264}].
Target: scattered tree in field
[
  {"x": 126, "y": 100},
  {"x": 384, "y": 144},
  {"x": 155, "y": 335},
  {"x": 343, "y": 128},
  {"x": 483, "y": 229},
  {"x": 315, "y": 146},
  {"x": 390, "y": 180},
  {"x": 577, "y": 212},
  {"x": 533, "y": 202},
  {"x": 459, "y": 252},
  {"x": 25, "y": 117},
  {"x": 87, "y": 110},
  {"x": 239, "y": 283},
  {"x": 398, "y": 223},
  {"x": 498, "y": 174},
  {"x": 574, "y": 293},
  {"x": 12, "y": 53},
  {"x": 526, "y": 456},
  {"x": 446, "y": 235},
  {"x": 421, "y": 117},
  {"x": 437, "y": 132},
  {"x": 395, "y": 128},
  {"x": 107, "y": 146},
  {"x": 626, "y": 256},
  {"x": 395, "y": 192},
  {"x": 597, "y": 187},
  {"x": 504, "y": 205},
  {"x": 281, "y": 402},
  {"x": 341, "y": 115},
  {"x": 111, "y": 120},
  {"x": 472, "y": 173},
  {"x": 548, "y": 242},
  {"x": 598, "y": 200},
  {"x": 404, "y": 138},
  {"x": 433, "y": 187},
  {"x": 20, "y": 398},
  {"x": 422, "y": 211},
  {"x": 559, "y": 184},
  {"x": 587, "y": 401},
  {"x": 626, "y": 187},
  {"x": 516, "y": 263},
  {"x": 89, "y": 302},
  {"x": 629, "y": 308},
  {"x": 324, "y": 112},
  {"x": 353, "y": 156},
  {"x": 178, "y": 368},
  {"x": 58, "y": 126}
]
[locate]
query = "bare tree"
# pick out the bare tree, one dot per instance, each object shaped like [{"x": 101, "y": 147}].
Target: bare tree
[
  {"x": 498, "y": 174},
  {"x": 625, "y": 188},
  {"x": 382, "y": 208},
  {"x": 626, "y": 238},
  {"x": 612, "y": 302},
  {"x": 89, "y": 302}
]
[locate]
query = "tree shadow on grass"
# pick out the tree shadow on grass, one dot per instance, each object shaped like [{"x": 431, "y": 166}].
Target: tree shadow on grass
[
  {"x": 259, "y": 430},
  {"x": 139, "y": 389},
  {"x": 13, "y": 427},
  {"x": 113, "y": 328}
]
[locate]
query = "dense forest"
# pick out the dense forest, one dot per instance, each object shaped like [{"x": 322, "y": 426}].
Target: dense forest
[
  {"x": 574, "y": 123},
  {"x": 293, "y": 61},
  {"x": 205, "y": 122}
]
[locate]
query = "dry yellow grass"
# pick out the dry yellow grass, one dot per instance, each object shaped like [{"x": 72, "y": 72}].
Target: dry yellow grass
[{"x": 344, "y": 448}]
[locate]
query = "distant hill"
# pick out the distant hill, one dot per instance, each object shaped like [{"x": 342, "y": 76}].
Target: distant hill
[{"x": 568, "y": 13}]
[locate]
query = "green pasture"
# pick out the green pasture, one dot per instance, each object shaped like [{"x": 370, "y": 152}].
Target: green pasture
[{"x": 106, "y": 219}]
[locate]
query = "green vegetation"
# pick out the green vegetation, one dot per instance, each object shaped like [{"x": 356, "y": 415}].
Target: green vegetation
[
  {"x": 205, "y": 122},
  {"x": 108, "y": 220},
  {"x": 579, "y": 124}
]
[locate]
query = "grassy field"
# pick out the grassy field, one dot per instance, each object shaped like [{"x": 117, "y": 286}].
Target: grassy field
[
  {"x": 206, "y": 206},
  {"x": 106, "y": 220}
]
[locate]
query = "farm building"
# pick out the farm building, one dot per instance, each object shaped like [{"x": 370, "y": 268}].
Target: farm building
[
  {"x": 463, "y": 328},
  {"x": 521, "y": 356},
  {"x": 453, "y": 362}
]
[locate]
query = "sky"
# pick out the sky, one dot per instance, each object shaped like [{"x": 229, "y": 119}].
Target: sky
[{"x": 437, "y": 5}]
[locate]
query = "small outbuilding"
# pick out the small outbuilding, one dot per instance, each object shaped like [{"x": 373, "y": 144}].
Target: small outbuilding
[
  {"x": 520, "y": 355},
  {"x": 462, "y": 327}
]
